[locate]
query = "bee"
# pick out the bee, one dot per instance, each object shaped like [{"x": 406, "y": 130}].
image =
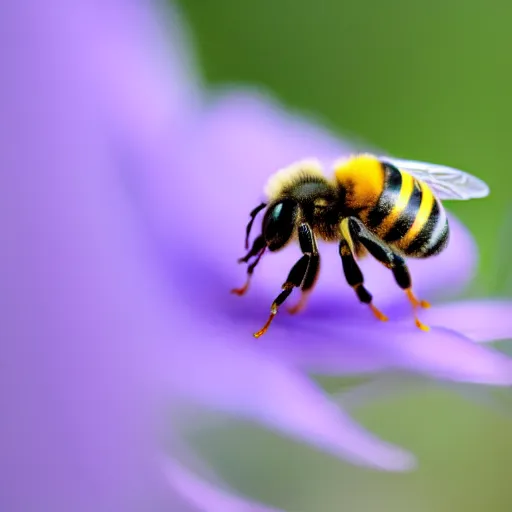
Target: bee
[{"x": 386, "y": 207}]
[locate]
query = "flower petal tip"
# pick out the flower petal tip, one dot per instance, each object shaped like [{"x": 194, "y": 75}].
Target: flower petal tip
[{"x": 479, "y": 320}]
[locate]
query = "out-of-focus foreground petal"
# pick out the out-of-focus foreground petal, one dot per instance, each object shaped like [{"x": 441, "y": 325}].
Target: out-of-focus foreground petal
[
  {"x": 264, "y": 390},
  {"x": 74, "y": 390},
  {"x": 146, "y": 43}
]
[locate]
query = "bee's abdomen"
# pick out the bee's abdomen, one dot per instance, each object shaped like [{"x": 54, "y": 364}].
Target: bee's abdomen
[
  {"x": 421, "y": 229},
  {"x": 407, "y": 216},
  {"x": 396, "y": 192},
  {"x": 428, "y": 235}
]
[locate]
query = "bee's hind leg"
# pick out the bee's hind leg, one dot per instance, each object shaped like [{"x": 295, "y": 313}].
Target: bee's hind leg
[
  {"x": 383, "y": 253},
  {"x": 354, "y": 276}
]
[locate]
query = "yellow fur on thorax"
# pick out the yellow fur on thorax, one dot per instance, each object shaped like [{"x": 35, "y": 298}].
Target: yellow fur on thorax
[
  {"x": 286, "y": 176},
  {"x": 362, "y": 176}
]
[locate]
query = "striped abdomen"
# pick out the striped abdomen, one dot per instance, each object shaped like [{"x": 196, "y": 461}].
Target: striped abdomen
[{"x": 407, "y": 216}]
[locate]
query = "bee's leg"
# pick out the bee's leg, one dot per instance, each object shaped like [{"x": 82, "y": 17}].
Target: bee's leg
[
  {"x": 383, "y": 253},
  {"x": 257, "y": 249},
  {"x": 308, "y": 284},
  {"x": 353, "y": 273},
  {"x": 253, "y": 215},
  {"x": 297, "y": 275}
]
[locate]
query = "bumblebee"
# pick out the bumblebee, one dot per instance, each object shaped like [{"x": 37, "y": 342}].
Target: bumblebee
[{"x": 386, "y": 207}]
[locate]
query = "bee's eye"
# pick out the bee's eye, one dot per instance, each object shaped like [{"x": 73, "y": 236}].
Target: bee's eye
[{"x": 279, "y": 223}]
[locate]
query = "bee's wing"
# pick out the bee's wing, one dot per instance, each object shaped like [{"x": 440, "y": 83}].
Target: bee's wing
[{"x": 445, "y": 182}]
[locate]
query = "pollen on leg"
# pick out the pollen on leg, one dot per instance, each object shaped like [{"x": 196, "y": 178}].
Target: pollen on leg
[
  {"x": 264, "y": 329},
  {"x": 417, "y": 304},
  {"x": 420, "y": 324},
  {"x": 415, "y": 301},
  {"x": 378, "y": 313}
]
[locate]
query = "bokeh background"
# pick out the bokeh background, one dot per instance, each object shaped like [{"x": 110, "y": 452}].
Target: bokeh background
[{"x": 423, "y": 80}]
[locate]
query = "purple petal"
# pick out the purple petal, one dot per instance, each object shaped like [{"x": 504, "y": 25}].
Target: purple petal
[
  {"x": 240, "y": 380},
  {"x": 439, "y": 353},
  {"x": 138, "y": 59},
  {"x": 206, "y": 496},
  {"x": 73, "y": 383},
  {"x": 482, "y": 320},
  {"x": 85, "y": 311},
  {"x": 231, "y": 149}
]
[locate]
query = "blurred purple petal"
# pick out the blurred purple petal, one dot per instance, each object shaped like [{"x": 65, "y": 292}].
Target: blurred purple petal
[
  {"x": 479, "y": 320},
  {"x": 264, "y": 390},
  {"x": 73, "y": 391},
  {"x": 144, "y": 44}
]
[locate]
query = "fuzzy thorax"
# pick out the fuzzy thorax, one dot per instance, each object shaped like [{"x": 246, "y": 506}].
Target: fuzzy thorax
[
  {"x": 287, "y": 176},
  {"x": 362, "y": 176}
]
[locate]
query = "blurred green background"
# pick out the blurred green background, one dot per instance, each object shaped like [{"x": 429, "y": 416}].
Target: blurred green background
[{"x": 422, "y": 80}]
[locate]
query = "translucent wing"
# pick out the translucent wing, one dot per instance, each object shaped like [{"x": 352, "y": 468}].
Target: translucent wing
[{"x": 445, "y": 182}]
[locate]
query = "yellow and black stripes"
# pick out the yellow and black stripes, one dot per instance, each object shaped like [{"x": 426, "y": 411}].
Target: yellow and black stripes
[
  {"x": 407, "y": 216},
  {"x": 393, "y": 199},
  {"x": 431, "y": 236},
  {"x": 420, "y": 213}
]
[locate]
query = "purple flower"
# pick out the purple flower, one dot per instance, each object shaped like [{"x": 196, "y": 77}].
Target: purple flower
[{"x": 125, "y": 190}]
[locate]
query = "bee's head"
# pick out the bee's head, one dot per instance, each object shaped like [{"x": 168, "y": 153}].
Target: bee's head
[{"x": 279, "y": 223}]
